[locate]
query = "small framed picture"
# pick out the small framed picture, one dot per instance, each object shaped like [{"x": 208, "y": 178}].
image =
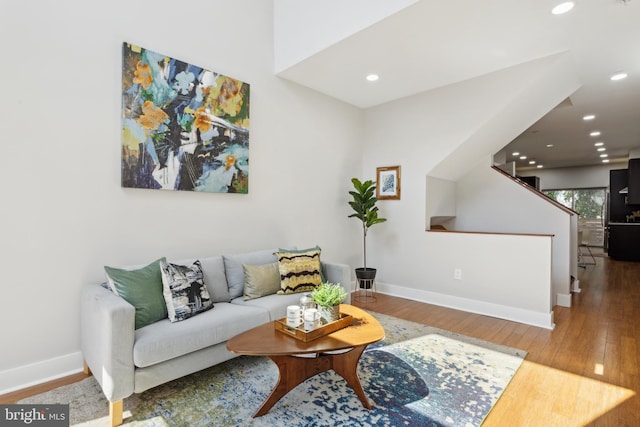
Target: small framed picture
[{"x": 388, "y": 183}]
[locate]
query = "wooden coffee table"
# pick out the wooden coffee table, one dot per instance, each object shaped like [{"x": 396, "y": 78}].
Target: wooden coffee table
[{"x": 282, "y": 349}]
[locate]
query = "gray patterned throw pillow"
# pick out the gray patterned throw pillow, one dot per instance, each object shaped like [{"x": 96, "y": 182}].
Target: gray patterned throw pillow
[{"x": 184, "y": 290}]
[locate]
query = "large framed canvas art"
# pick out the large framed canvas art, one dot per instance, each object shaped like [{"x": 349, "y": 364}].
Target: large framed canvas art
[{"x": 183, "y": 127}]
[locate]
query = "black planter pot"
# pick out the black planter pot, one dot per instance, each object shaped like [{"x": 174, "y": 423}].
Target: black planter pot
[{"x": 365, "y": 277}]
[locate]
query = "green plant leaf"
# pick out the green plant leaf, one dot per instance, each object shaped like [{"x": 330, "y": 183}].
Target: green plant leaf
[
  {"x": 363, "y": 204},
  {"x": 328, "y": 294}
]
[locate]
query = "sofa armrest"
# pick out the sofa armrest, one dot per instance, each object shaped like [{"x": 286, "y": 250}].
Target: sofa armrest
[
  {"x": 338, "y": 273},
  {"x": 107, "y": 332}
]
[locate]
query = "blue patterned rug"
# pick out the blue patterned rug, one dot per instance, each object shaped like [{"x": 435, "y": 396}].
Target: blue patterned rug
[{"x": 417, "y": 376}]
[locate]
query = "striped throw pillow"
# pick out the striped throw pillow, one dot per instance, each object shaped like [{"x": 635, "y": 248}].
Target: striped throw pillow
[{"x": 299, "y": 271}]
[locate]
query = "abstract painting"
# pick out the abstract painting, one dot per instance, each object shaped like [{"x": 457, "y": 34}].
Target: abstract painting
[{"x": 183, "y": 127}]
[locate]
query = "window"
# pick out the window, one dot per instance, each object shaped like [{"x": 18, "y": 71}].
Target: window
[{"x": 590, "y": 204}]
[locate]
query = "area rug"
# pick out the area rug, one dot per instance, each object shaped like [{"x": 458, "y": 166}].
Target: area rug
[{"x": 417, "y": 376}]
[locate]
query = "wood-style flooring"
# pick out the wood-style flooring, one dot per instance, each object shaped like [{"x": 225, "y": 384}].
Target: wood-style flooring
[{"x": 585, "y": 372}]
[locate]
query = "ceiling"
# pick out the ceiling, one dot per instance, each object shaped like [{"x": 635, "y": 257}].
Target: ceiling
[{"x": 433, "y": 44}]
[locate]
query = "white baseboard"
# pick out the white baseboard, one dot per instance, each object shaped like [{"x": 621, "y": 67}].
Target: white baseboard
[
  {"x": 40, "y": 372},
  {"x": 528, "y": 317},
  {"x": 575, "y": 287},
  {"x": 563, "y": 300}
]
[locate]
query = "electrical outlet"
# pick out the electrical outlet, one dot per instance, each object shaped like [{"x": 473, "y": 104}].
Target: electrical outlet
[{"x": 457, "y": 274}]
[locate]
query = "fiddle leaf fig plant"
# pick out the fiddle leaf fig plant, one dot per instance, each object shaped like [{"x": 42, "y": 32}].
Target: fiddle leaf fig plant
[{"x": 365, "y": 209}]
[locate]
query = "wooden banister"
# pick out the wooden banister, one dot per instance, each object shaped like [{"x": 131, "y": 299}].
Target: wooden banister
[{"x": 439, "y": 230}]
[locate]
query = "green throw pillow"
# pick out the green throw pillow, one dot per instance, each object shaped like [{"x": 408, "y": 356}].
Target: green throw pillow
[{"x": 142, "y": 289}]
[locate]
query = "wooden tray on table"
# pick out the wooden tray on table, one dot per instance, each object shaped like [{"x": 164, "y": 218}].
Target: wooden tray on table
[{"x": 299, "y": 333}]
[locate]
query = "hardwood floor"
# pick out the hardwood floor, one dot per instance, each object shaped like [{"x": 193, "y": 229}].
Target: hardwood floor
[{"x": 583, "y": 373}]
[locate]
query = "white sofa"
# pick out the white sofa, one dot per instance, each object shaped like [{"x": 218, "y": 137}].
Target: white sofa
[{"x": 125, "y": 360}]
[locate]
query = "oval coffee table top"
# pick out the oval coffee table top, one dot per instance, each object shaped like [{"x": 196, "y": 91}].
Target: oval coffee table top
[{"x": 264, "y": 340}]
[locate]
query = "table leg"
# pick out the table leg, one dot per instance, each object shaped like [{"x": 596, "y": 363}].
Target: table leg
[
  {"x": 346, "y": 365},
  {"x": 295, "y": 370}
]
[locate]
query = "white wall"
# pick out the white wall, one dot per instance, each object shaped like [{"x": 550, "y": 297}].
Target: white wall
[
  {"x": 441, "y": 201},
  {"x": 488, "y": 201},
  {"x": 64, "y": 213},
  {"x": 427, "y": 134},
  {"x": 491, "y": 280}
]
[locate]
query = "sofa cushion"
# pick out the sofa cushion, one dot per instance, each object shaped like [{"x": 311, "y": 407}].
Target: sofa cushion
[
  {"x": 235, "y": 272},
  {"x": 213, "y": 274},
  {"x": 275, "y": 304},
  {"x": 184, "y": 291},
  {"x": 260, "y": 280},
  {"x": 142, "y": 288},
  {"x": 299, "y": 271},
  {"x": 163, "y": 340}
]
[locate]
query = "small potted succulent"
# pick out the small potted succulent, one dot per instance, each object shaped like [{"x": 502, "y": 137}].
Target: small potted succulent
[{"x": 328, "y": 296}]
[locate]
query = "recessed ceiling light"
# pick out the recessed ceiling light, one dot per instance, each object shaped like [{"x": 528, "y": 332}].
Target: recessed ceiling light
[
  {"x": 605, "y": 161},
  {"x": 599, "y": 144},
  {"x": 516, "y": 153},
  {"x": 595, "y": 133},
  {"x": 563, "y": 7},
  {"x": 602, "y": 149},
  {"x": 539, "y": 166},
  {"x": 604, "y": 155},
  {"x": 372, "y": 77},
  {"x": 589, "y": 117},
  {"x": 532, "y": 162},
  {"x": 523, "y": 157},
  {"x": 619, "y": 76},
  {"x": 549, "y": 145}
]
